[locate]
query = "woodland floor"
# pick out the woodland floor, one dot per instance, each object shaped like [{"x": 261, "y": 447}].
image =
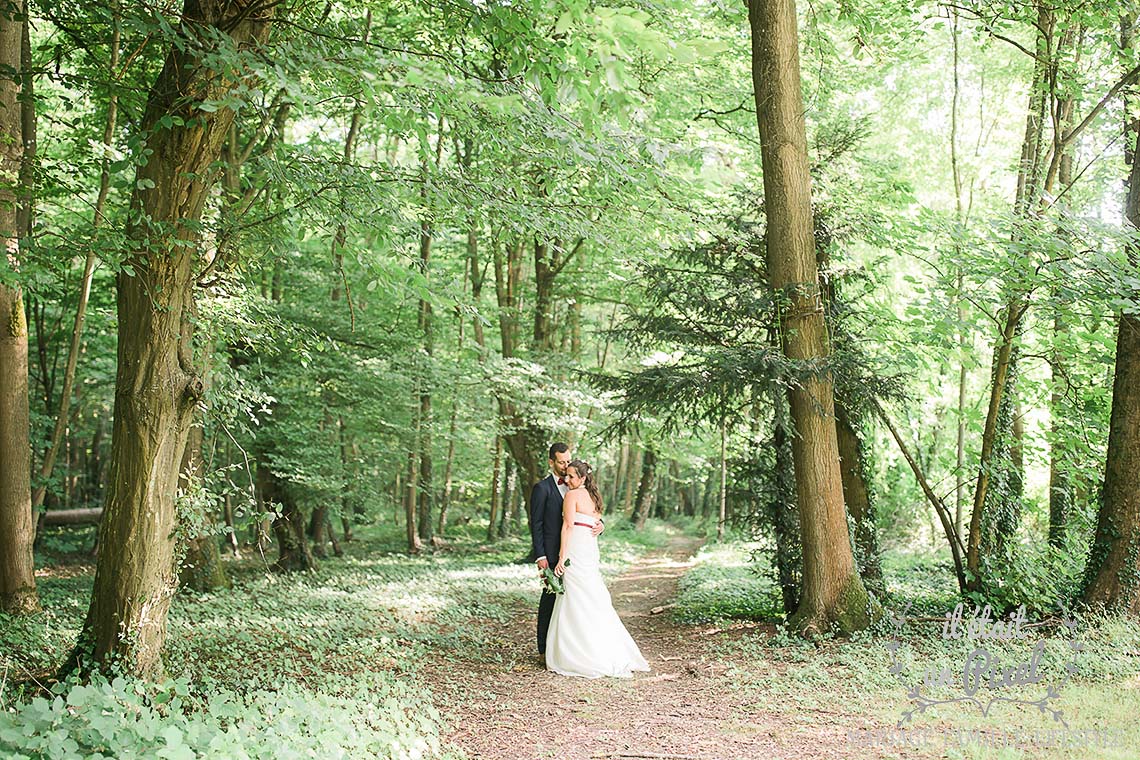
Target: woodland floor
[
  {"x": 502, "y": 706},
  {"x": 460, "y": 622}
]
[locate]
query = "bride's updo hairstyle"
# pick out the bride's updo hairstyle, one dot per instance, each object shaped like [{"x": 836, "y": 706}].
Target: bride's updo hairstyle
[{"x": 587, "y": 472}]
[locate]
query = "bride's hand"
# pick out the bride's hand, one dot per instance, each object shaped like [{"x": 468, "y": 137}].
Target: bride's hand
[{"x": 560, "y": 568}]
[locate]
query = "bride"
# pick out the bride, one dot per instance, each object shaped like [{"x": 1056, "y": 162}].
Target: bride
[{"x": 586, "y": 637}]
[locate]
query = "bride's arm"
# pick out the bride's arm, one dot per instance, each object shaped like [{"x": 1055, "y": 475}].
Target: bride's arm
[{"x": 567, "y": 530}]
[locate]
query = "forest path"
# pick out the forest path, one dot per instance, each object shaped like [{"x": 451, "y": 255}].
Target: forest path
[{"x": 502, "y": 706}]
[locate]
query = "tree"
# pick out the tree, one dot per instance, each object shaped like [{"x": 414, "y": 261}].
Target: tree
[
  {"x": 645, "y": 488},
  {"x": 832, "y": 590},
  {"x": 1112, "y": 578},
  {"x": 188, "y": 115},
  {"x": 17, "y": 531}
]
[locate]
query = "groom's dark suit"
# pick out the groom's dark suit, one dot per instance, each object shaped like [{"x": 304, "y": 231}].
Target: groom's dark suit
[{"x": 546, "y": 537}]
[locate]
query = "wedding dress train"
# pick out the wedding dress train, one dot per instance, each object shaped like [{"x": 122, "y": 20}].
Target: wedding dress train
[{"x": 586, "y": 636}]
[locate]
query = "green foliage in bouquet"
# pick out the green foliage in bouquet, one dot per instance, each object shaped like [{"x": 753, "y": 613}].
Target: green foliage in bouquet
[{"x": 551, "y": 582}]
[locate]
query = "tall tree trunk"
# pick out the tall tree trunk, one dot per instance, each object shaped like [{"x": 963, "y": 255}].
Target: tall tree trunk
[
  {"x": 832, "y": 593},
  {"x": 448, "y": 468},
  {"x": 644, "y": 498},
  {"x": 859, "y": 500},
  {"x": 637, "y": 456},
  {"x": 523, "y": 438},
  {"x": 664, "y": 493},
  {"x": 617, "y": 484},
  {"x": 231, "y": 534},
  {"x": 348, "y": 468},
  {"x": 1112, "y": 577},
  {"x": 1060, "y": 481},
  {"x": 316, "y": 533},
  {"x": 293, "y": 552},
  {"x": 683, "y": 494},
  {"x": 511, "y": 500},
  {"x": 496, "y": 487},
  {"x": 550, "y": 258},
  {"x": 320, "y": 518},
  {"x": 337, "y": 551},
  {"x": 17, "y": 530},
  {"x": 544, "y": 275},
  {"x": 722, "y": 515},
  {"x": 156, "y": 386},
  {"x": 784, "y": 513},
  {"x": 426, "y": 328},
  {"x": 1029, "y": 186},
  {"x": 202, "y": 568},
  {"x": 1003, "y": 507},
  {"x": 961, "y": 215},
  {"x": 410, "y": 494},
  {"x": 711, "y": 485}
]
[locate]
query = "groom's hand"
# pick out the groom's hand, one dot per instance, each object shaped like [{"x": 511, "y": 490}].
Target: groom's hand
[
  {"x": 597, "y": 529},
  {"x": 543, "y": 564}
]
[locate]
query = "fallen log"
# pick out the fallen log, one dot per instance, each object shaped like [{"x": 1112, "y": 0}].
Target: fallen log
[{"x": 72, "y": 516}]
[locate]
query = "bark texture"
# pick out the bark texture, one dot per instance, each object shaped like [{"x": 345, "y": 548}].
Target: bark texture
[
  {"x": 833, "y": 593},
  {"x": 17, "y": 529},
  {"x": 860, "y": 501},
  {"x": 293, "y": 551},
  {"x": 784, "y": 512},
  {"x": 1112, "y": 579},
  {"x": 644, "y": 499},
  {"x": 156, "y": 385}
]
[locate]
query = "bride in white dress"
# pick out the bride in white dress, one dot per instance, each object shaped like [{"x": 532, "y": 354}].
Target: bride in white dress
[{"x": 586, "y": 637}]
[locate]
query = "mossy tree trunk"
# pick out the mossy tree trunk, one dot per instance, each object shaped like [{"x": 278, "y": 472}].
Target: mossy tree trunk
[
  {"x": 832, "y": 591},
  {"x": 156, "y": 385},
  {"x": 17, "y": 529}
]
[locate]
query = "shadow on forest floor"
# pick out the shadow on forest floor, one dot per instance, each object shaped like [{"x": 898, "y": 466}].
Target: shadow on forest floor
[{"x": 457, "y": 625}]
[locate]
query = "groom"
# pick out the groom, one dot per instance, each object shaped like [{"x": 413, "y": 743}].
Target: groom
[{"x": 546, "y": 530}]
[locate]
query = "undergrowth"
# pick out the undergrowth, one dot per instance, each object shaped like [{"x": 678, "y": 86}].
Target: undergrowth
[{"x": 320, "y": 664}]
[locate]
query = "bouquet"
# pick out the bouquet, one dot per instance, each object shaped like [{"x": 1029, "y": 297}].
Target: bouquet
[{"x": 551, "y": 582}]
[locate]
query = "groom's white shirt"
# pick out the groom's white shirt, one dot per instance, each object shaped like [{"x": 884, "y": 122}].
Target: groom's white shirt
[{"x": 562, "y": 489}]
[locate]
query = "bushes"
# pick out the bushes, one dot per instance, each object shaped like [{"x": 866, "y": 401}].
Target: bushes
[
  {"x": 128, "y": 719},
  {"x": 725, "y": 584},
  {"x": 1045, "y": 579}
]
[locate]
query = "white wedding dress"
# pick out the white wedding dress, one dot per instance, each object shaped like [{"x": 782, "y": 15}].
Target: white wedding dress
[{"x": 586, "y": 636}]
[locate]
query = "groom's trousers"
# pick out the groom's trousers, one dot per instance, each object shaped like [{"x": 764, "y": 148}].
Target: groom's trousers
[{"x": 545, "y": 610}]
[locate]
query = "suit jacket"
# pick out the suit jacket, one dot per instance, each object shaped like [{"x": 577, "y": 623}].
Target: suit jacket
[{"x": 546, "y": 520}]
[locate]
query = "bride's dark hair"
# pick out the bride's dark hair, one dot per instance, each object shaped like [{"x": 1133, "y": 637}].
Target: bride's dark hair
[{"x": 587, "y": 472}]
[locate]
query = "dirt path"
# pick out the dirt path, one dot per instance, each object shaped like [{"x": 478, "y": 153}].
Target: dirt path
[{"x": 503, "y": 707}]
